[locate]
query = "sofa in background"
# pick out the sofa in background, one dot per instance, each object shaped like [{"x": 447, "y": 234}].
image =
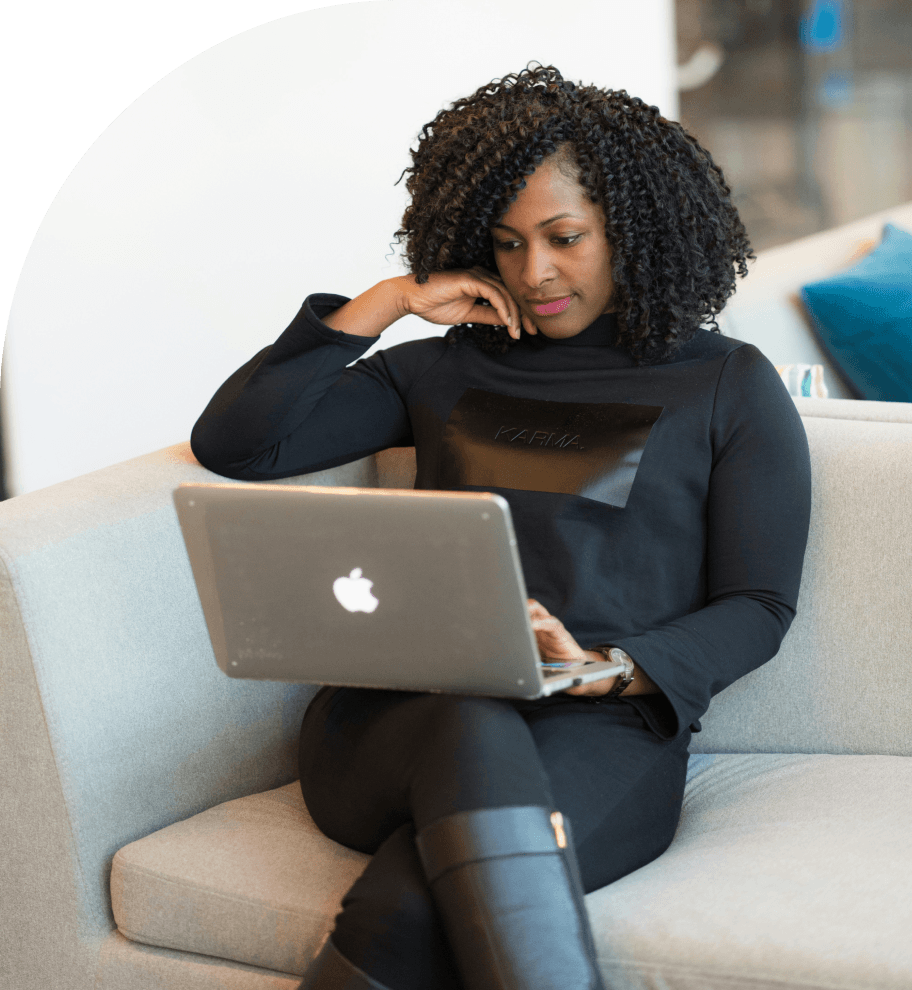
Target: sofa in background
[
  {"x": 767, "y": 309},
  {"x": 862, "y": 316},
  {"x": 154, "y": 838}
]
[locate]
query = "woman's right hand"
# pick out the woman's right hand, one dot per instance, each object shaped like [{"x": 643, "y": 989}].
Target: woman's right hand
[{"x": 451, "y": 298}]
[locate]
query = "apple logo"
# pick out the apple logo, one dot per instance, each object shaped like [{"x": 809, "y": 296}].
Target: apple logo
[{"x": 354, "y": 592}]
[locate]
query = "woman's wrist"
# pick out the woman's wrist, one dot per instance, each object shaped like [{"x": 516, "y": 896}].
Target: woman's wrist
[
  {"x": 640, "y": 684},
  {"x": 606, "y": 685},
  {"x": 370, "y": 313}
]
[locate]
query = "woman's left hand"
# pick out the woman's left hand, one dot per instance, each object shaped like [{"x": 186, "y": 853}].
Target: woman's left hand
[{"x": 555, "y": 643}]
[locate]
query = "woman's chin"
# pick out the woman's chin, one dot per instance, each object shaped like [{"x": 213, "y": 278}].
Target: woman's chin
[{"x": 560, "y": 331}]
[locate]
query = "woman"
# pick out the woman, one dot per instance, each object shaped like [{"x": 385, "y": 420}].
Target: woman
[{"x": 659, "y": 482}]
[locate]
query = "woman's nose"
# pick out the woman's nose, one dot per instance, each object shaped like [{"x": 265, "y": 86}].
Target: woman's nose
[{"x": 538, "y": 266}]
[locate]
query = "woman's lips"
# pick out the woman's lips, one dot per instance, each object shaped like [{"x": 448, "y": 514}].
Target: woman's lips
[{"x": 549, "y": 309}]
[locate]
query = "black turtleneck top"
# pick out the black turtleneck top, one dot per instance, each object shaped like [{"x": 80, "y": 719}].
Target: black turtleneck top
[{"x": 661, "y": 509}]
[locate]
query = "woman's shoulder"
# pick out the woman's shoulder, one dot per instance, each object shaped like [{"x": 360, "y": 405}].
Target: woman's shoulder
[
  {"x": 707, "y": 345},
  {"x": 418, "y": 351},
  {"x": 744, "y": 376}
]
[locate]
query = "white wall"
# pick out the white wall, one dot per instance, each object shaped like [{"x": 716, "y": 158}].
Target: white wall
[{"x": 262, "y": 170}]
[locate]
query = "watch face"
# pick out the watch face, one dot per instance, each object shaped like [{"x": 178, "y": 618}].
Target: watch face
[{"x": 619, "y": 656}]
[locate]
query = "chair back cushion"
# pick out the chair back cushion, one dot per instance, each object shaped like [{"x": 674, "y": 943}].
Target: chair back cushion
[{"x": 842, "y": 679}]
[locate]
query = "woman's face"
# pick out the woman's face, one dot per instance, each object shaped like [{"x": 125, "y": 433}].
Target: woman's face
[{"x": 552, "y": 253}]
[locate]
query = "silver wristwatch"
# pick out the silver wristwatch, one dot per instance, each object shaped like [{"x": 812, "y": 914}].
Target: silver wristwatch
[{"x": 615, "y": 654}]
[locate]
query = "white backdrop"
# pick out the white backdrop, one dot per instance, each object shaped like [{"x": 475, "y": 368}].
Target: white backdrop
[{"x": 187, "y": 236}]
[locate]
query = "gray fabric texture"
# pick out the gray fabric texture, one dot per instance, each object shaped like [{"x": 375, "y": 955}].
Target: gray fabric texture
[
  {"x": 126, "y": 965},
  {"x": 778, "y": 863},
  {"x": 786, "y": 871},
  {"x": 45, "y": 943},
  {"x": 253, "y": 881},
  {"x": 884, "y": 412}
]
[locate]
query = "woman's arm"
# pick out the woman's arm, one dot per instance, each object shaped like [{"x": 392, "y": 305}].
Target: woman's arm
[
  {"x": 758, "y": 503},
  {"x": 758, "y": 507},
  {"x": 641, "y": 683},
  {"x": 262, "y": 422},
  {"x": 369, "y": 314},
  {"x": 300, "y": 405},
  {"x": 296, "y": 407},
  {"x": 446, "y": 298}
]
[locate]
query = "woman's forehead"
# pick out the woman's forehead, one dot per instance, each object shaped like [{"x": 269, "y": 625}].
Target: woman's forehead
[{"x": 550, "y": 195}]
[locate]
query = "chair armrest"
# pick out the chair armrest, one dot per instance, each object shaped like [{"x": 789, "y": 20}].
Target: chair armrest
[{"x": 116, "y": 720}]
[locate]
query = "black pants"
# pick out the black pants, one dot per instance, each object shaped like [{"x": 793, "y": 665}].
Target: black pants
[{"x": 378, "y": 765}]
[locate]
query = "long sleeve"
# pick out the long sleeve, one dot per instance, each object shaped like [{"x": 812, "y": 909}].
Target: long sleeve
[
  {"x": 758, "y": 514},
  {"x": 295, "y": 407}
]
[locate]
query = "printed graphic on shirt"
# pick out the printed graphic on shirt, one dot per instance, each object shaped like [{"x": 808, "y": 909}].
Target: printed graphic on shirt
[{"x": 590, "y": 449}]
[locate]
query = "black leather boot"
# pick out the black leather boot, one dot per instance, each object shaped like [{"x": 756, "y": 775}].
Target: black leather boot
[
  {"x": 330, "y": 970},
  {"x": 507, "y": 886}
]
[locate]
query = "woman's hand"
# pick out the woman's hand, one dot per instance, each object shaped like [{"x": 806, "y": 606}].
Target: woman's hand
[
  {"x": 451, "y": 297},
  {"x": 555, "y": 643}
]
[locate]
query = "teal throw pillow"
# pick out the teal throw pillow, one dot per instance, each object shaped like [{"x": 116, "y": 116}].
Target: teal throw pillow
[{"x": 863, "y": 318}]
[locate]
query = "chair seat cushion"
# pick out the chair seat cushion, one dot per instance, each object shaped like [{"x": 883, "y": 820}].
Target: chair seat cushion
[
  {"x": 786, "y": 870},
  {"x": 252, "y": 880}
]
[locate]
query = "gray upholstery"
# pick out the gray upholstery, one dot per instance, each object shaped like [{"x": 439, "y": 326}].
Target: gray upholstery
[
  {"x": 123, "y": 743},
  {"x": 785, "y": 871},
  {"x": 778, "y": 874},
  {"x": 263, "y": 894}
]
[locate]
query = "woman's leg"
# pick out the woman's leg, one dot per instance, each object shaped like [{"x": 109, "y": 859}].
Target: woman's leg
[
  {"x": 372, "y": 764},
  {"x": 619, "y": 789},
  {"x": 371, "y": 761}
]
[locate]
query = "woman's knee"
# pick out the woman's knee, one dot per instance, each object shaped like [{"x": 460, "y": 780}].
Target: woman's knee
[
  {"x": 477, "y": 753},
  {"x": 639, "y": 827},
  {"x": 465, "y": 722},
  {"x": 395, "y": 755}
]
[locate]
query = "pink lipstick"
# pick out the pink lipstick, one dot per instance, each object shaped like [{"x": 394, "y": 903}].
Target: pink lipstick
[{"x": 552, "y": 308}]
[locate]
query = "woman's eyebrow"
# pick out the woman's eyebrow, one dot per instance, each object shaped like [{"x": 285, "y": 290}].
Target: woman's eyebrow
[{"x": 544, "y": 223}]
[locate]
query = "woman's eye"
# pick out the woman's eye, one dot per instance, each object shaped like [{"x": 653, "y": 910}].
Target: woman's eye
[{"x": 569, "y": 239}]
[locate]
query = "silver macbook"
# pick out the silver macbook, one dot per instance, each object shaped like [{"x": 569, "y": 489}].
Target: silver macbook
[{"x": 366, "y": 587}]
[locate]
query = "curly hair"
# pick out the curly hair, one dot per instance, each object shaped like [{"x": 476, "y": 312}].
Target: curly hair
[{"x": 675, "y": 235}]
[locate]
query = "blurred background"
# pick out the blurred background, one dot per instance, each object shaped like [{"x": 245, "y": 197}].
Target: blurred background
[{"x": 805, "y": 104}]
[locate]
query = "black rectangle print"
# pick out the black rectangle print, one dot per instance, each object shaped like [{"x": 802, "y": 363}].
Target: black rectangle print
[{"x": 590, "y": 449}]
